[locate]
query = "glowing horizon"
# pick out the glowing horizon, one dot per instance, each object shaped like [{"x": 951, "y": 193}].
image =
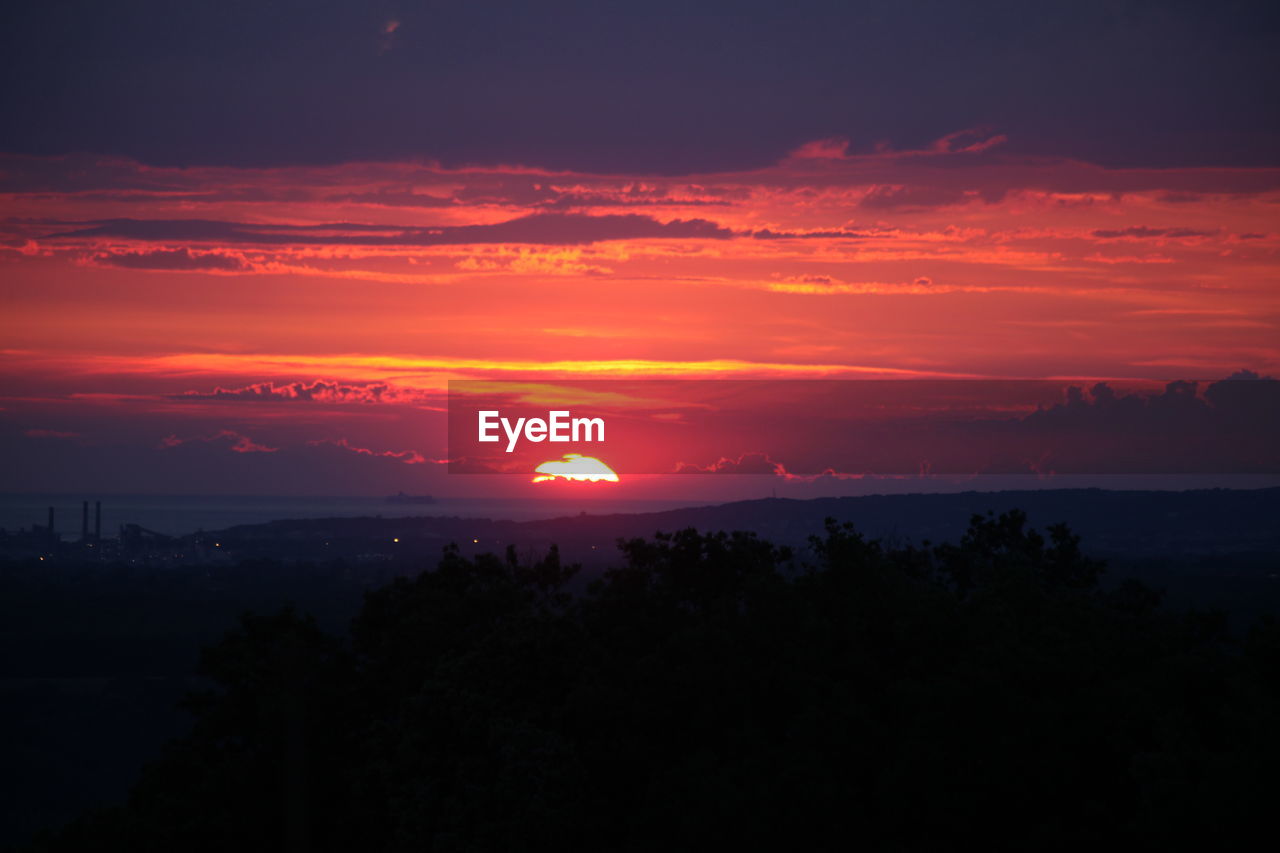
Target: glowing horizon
[{"x": 323, "y": 310}]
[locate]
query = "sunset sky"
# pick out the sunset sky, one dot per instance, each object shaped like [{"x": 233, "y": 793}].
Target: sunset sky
[{"x": 243, "y": 249}]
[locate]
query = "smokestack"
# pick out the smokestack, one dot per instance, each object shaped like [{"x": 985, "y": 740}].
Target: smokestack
[
  {"x": 50, "y": 520},
  {"x": 97, "y": 521},
  {"x": 84, "y": 522}
]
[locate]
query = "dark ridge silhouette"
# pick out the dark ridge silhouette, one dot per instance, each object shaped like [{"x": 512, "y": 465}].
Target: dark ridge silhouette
[
  {"x": 1116, "y": 524},
  {"x": 720, "y": 691}
]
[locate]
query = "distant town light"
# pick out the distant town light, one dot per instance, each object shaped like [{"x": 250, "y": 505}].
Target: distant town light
[{"x": 397, "y": 539}]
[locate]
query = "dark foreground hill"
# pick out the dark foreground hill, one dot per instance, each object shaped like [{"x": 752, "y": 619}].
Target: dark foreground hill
[
  {"x": 95, "y": 655},
  {"x": 711, "y": 691}
]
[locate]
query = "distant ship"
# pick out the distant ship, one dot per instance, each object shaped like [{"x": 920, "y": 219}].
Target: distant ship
[{"x": 402, "y": 498}]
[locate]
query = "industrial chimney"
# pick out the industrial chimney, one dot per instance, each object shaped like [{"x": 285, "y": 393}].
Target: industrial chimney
[{"x": 97, "y": 521}]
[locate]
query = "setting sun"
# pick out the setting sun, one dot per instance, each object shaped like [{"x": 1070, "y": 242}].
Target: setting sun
[{"x": 575, "y": 466}]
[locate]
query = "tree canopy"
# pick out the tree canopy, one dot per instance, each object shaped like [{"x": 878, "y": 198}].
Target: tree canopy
[{"x": 716, "y": 690}]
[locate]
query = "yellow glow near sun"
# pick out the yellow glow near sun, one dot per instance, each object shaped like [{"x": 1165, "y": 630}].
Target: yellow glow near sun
[{"x": 575, "y": 466}]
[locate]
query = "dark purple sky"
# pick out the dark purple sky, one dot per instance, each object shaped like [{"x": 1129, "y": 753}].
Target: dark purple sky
[{"x": 636, "y": 87}]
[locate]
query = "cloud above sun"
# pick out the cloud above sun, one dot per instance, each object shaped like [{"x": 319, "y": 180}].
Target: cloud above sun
[{"x": 283, "y": 315}]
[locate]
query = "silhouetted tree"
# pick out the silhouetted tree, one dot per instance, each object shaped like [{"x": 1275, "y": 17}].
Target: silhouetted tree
[{"x": 716, "y": 690}]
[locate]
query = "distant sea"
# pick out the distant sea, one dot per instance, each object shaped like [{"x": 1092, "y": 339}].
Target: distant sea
[{"x": 179, "y": 514}]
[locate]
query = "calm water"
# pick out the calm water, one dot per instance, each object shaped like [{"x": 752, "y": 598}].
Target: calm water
[{"x": 178, "y": 514}]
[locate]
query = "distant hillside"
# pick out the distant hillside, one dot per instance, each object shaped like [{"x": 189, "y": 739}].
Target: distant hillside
[
  {"x": 1126, "y": 524},
  {"x": 1216, "y": 548}
]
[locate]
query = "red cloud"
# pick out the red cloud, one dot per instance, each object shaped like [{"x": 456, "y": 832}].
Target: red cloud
[
  {"x": 239, "y": 443},
  {"x": 408, "y": 457},
  {"x": 757, "y": 463},
  {"x": 172, "y": 259},
  {"x": 822, "y": 149},
  {"x": 50, "y": 433},
  {"x": 1141, "y": 232},
  {"x": 319, "y": 391},
  {"x": 748, "y": 463},
  {"x": 564, "y": 229}
]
